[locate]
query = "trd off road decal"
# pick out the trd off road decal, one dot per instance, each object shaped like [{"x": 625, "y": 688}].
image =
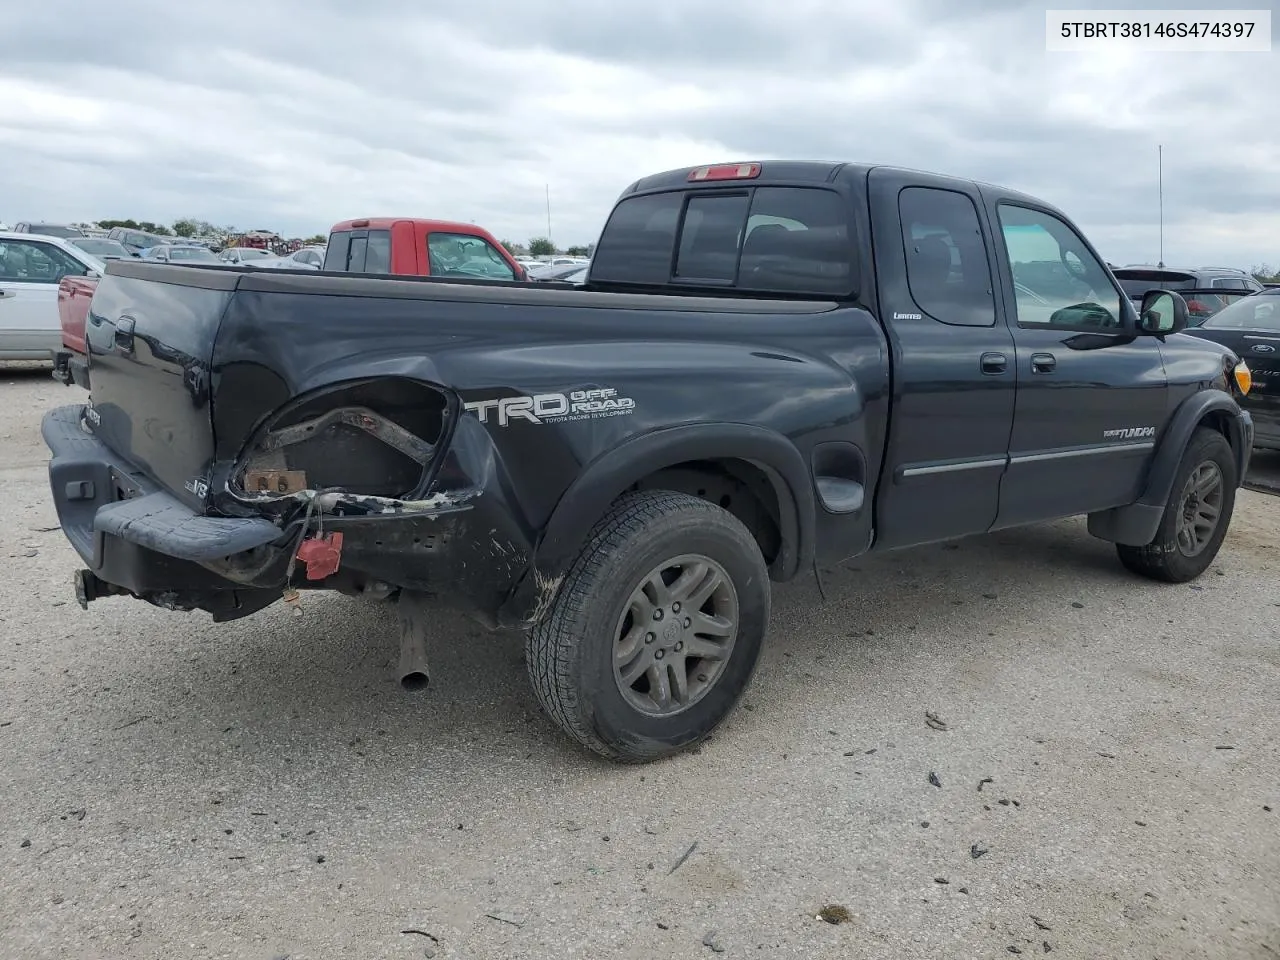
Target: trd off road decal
[{"x": 554, "y": 407}]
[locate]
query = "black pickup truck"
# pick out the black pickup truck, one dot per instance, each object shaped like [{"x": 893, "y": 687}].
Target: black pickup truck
[{"x": 771, "y": 366}]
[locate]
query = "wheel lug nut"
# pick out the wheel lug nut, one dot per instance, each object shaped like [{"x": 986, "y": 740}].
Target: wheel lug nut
[
  {"x": 657, "y": 614},
  {"x": 649, "y": 638},
  {"x": 659, "y": 655},
  {"x": 679, "y": 646},
  {"x": 675, "y": 607},
  {"x": 688, "y": 622}
]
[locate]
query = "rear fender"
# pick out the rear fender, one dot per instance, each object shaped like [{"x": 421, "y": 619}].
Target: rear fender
[{"x": 589, "y": 497}]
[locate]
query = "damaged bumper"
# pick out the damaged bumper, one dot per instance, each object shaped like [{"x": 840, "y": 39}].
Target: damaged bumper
[{"x": 135, "y": 538}]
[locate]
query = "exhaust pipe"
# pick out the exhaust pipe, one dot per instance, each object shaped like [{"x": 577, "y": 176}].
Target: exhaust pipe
[
  {"x": 414, "y": 675},
  {"x": 89, "y": 588}
]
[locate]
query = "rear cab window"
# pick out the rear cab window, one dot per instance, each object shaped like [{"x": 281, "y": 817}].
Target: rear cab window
[
  {"x": 762, "y": 239},
  {"x": 359, "y": 251}
]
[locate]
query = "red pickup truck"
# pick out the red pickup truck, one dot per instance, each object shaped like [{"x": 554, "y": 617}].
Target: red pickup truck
[
  {"x": 403, "y": 246},
  {"x": 423, "y": 248}
]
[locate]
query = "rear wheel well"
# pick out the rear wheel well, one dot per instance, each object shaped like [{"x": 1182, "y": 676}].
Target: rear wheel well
[{"x": 739, "y": 487}]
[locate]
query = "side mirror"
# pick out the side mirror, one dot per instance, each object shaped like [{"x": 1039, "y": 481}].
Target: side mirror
[{"x": 1163, "y": 312}]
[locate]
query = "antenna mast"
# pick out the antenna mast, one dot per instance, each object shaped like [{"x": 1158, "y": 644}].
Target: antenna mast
[{"x": 1160, "y": 193}]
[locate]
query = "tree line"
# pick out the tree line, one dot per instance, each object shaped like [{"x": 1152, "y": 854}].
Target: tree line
[
  {"x": 189, "y": 227},
  {"x": 543, "y": 247}
]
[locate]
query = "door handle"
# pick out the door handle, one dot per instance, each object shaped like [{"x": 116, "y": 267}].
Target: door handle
[
  {"x": 994, "y": 363},
  {"x": 124, "y": 335},
  {"x": 1043, "y": 362}
]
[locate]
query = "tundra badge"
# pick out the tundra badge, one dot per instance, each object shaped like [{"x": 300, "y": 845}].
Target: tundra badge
[{"x": 1129, "y": 433}]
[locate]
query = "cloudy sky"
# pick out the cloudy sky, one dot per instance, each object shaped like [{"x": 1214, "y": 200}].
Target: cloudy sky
[{"x": 292, "y": 115}]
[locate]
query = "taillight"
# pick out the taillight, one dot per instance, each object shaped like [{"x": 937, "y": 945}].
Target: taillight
[{"x": 726, "y": 171}]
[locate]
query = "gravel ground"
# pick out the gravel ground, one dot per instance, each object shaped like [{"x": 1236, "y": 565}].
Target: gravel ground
[{"x": 1106, "y": 785}]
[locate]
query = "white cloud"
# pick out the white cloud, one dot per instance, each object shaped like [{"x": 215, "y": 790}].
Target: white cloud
[{"x": 293, "y": 117}]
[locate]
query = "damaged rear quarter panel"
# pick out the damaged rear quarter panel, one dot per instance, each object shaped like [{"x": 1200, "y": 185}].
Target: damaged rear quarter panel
[{"x": 551, "y": 380}]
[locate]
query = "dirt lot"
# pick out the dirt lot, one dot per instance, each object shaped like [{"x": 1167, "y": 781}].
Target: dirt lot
[{"x": 1106, "y": 786}]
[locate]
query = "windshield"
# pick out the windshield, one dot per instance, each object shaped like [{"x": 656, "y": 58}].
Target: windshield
[{"x": 1258, "y": 312}]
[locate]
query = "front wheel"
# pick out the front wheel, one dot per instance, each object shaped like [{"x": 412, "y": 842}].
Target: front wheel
[
  {"x": 656, "y": 631},
  {"x": 1195, "y": 518}
]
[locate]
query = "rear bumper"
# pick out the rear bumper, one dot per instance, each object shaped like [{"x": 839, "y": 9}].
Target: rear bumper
[
  {"x": 138, "y": 539},
  {"x": 134, "y": 536}
]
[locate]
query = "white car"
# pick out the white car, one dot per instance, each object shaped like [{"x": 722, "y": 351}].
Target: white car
[
  {"x": 245, "y": 256},
  {"x": 306, "y": 258},
  {"x": 31, "y": 266}
]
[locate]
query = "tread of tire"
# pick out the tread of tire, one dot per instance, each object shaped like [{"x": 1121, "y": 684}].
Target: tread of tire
[{"x": 549, "y": 647}]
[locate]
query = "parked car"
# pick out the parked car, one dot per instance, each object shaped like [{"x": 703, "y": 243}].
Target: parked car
[
  {"x": 180, "y": 253},
  {"x": 620, "y": 470},
  {"x": 241, "y": 256},
  {"x": 304, "y": 258},
  {"x": 1137, "y": 279},
  {"x": 1251, "y": 328},
  {"x": 31, "y": 267},
  {"x": 406, "y": 246},
  {"x": 102, "y": 247},
  {"x": 135, "y": 241},
  {"x": 63, "y": 230},
  {"x": 573, "y": 273}
]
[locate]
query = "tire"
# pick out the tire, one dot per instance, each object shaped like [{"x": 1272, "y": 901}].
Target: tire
[
  {"x": 1175, "y": 558},
  {"x": 600, "y": 615}
]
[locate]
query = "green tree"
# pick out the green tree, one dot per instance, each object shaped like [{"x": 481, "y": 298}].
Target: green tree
[
  {"x": 1263, "y": 273},
  {"x": 577, "y": 252},
  {"x": 186, "y": 227},
  {"x": 541, "y": 247},
  {"x": 513, "y": 248},
  {"x": 127, "y": 224},
  {"x": 318, "y": 239}
]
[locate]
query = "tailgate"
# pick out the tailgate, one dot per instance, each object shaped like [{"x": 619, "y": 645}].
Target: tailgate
[{"x": 150, "y": 334}]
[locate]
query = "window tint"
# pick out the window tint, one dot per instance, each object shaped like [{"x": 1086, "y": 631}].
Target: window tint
[
  {"x": 1231, "y": 283},
  {"x": 378, "y": 254},
  {"x": 1057, "y": 282},
  {"x": 798, "y": 242},
  {"x": 26, "y": 261},
  {"x": 464, "y": 256},
  {"x": 335, "y": 254},
  {"x": 709, "y": 240},
  {"x": 636, "y": 245},
  {"x": 947, "y": 267},
  {"x": 368, "y": 251}
]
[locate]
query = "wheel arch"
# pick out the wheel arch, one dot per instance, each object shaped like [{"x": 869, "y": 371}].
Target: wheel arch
[
  {"x": 1136, "y": 524},
  {"x": 758, "y": 460}
]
